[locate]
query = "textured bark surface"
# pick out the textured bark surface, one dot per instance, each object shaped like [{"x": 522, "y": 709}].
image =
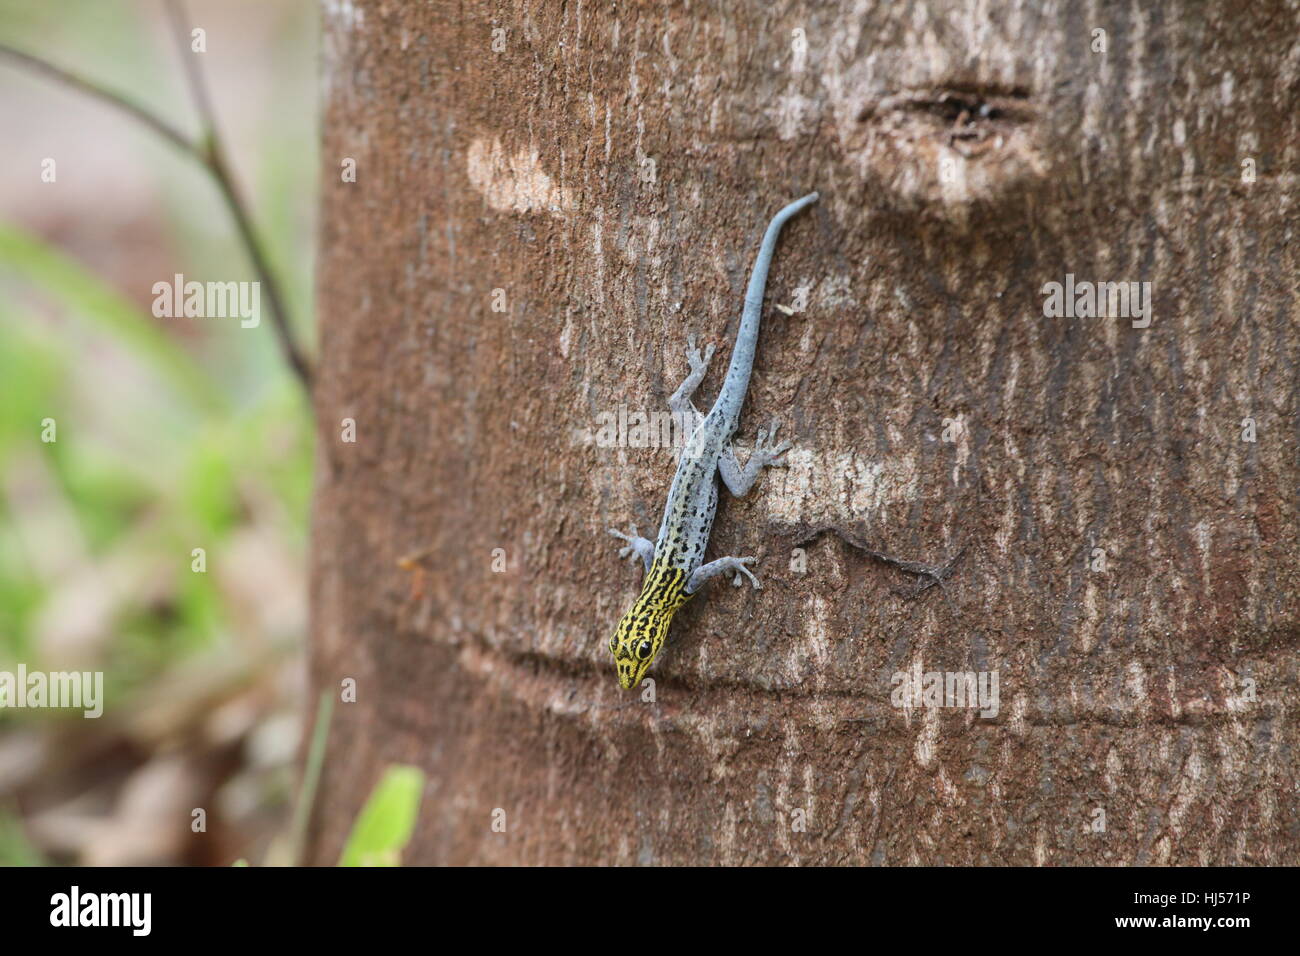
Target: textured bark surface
[{"x": 612, "y": 171}]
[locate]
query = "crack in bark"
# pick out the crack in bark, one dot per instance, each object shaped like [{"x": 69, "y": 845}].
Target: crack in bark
[{"x": 928, "y": 575}]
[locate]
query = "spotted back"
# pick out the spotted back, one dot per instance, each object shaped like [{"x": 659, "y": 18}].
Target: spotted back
[{"x": 693, "y": 497}]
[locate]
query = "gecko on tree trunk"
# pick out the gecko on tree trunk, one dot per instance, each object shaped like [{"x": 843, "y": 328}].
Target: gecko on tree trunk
[{"x": 674, "y": 561}]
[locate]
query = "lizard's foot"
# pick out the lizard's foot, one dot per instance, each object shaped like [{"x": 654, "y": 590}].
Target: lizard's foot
[
  {"x": 768, "y": 455},
  {"x": 680, "y": 402},
  {"x": 739, "y": 480},
  {"x": 698, "y": 363},
  {"x": 636, "y": 545},
  {"x": 723, "y": 566}
]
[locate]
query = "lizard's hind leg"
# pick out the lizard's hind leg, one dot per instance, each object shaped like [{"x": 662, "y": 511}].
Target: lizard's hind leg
[
  {"x": 704, "y": 572},
  {"x": 680, "y": 402},
  {"x": 739, "y": 480},
  {"x": 641, "y": 547}
]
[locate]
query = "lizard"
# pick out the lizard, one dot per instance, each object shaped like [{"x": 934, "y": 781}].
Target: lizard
[{"x": 674, "y": 562}]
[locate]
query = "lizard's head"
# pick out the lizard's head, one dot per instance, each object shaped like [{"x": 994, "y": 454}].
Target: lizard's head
[
  {"x": 641, "y": 634},
  {"x": 637, "y": 641}
]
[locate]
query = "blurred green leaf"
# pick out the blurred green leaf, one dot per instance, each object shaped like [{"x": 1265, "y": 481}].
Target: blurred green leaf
[
  {"x": 387, "y": 821},
  {"x": 88, "y": 298},
  {"x": 14, "y": 848}
]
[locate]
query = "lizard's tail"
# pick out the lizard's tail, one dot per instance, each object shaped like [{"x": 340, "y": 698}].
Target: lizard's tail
[{"x": 732, "y": 396}]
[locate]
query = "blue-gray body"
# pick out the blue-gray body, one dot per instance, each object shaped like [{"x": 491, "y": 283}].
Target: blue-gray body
[
  {"x": 674, "y": 562},
  {"x": 693, "y": 497}
]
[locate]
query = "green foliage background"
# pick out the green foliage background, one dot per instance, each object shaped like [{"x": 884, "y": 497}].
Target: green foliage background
[{"x": 172, "y": 434}]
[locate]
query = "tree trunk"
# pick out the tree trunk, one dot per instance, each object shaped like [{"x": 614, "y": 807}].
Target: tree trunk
[{"x": 542, "y": 217}]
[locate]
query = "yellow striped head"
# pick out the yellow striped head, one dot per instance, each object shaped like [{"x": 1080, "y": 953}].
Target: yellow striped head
[{"x": 641, "y": 633}]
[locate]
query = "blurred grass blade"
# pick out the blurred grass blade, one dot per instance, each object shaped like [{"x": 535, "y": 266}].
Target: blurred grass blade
[
  {"x": 67, "y": 282},
  {"x": 387, "y": 821},
  {"x": 311, "y": 776}
]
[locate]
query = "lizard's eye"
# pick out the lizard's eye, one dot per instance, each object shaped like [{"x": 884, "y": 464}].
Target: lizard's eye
[
  {"x": 613, "y": 646},
  {"x": 643, "y": 651}
]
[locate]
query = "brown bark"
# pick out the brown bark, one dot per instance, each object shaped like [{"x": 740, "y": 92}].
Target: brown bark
[{"x": 963, "y": 163}]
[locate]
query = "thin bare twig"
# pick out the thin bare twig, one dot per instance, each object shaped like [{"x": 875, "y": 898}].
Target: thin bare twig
[
  {"x": 59, "y": 75},
  {"x": 215, "y": 158},
  {"x": 209, "y": 151}
]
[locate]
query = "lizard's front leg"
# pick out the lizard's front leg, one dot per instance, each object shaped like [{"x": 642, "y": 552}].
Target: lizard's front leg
[
  {"x": 739, "y": 480},
  {"x": 704, "y": 572},
  {"x": 635, "y": 545}
]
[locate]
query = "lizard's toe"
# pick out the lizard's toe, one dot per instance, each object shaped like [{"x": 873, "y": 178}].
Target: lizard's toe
[{"x": 775, "y": 456}]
